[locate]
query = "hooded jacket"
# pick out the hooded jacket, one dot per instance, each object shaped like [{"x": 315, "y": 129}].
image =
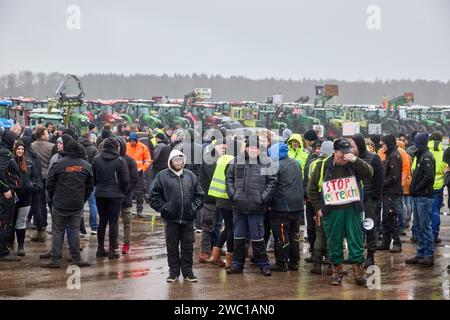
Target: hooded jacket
[
  {"x": 132, "y": 170},
  {"x": 32, "y": 157},
  {"x": 288, "y": 195},
  {"x": 424, "y": 169},
  {"x": 372, "y": 186},
  {"x": 161, "y": 155},
  {"x": 111, "y": 176},
  {"x": 140, "y": 154},
  {"x": 392, "y": 168},
  {"x": 89, "y": 148},
  {"x": 9, "y": 171},
  {"x": 70, "y": 180},
  {"x": 299, "y": 154},
  {"x": 250, "y": 186},
  {"x": 206, "y": 173},
  {"x": 176, "y": 195}
]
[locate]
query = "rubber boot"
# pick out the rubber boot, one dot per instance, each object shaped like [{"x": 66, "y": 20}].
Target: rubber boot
[
  {"x": 40, "y": 236},
  {"x": 228, "y": 259},
  {"x": 215, "y": 257},
  {"x": 358, "y": 274},
  {"x": 336, "y": 277},
  {"x": 317, "y": 268},
  {"x": 370, "y": 260}
]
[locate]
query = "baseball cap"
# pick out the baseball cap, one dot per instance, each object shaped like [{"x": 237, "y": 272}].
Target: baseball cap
[{"x": 343, "y": 145}]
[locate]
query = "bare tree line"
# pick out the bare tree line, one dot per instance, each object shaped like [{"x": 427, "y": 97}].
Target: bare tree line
[{"x": 116, "y": 86}]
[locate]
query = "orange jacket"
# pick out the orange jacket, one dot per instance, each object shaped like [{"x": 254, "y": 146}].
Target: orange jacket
[
  {"x": 140, "y": 154},
  {"x": 406, "y": 165}
]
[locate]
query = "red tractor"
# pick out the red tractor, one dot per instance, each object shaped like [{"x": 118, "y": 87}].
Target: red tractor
[{"x": 103, "y": 111}]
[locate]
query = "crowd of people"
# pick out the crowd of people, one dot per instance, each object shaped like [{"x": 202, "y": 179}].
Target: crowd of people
[{"x": 240, "y": 191}]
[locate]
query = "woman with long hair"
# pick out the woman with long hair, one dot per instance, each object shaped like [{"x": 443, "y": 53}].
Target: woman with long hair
[{"x": 24, "y": 194}]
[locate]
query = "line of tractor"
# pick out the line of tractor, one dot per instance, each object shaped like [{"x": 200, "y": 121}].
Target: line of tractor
[{"x": 391, "y": 116}]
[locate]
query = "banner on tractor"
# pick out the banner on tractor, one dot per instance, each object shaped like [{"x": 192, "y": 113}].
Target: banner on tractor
[
  {"x": 350, "y": 128},
  {"x": 340, "y": 191},
  {"x": 277, "y": 99},
  {"x": 374, "y": 128},
  {"x": 319, "y": 129},
  {"x": 203, "y": 93}
]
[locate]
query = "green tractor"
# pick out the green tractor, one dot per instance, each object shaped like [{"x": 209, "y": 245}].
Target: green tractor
[
  {"x": 172, "y": 115},
  {"x": 268, "y": 117},
  {"x": 431, "y": 119},
  {"x": 297, "y": 118},
  {"x": 146, "y": 115},
  {"x": 70, "y": 102},
  {"x": 331, "y": 121},
  {"x": 396, "y": 119},
  {"x": 44, "y": 119},
  {"x": 241, "y": 113}
]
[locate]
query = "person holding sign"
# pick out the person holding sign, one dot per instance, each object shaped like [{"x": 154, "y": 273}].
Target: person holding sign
[{"x": 335, "y": 193}]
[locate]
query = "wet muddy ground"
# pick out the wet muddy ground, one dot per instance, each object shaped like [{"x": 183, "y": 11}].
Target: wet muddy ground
[{"x": 142, "y": 274}]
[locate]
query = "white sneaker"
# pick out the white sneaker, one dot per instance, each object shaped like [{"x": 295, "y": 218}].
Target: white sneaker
[{"x": 93, "y": 232}]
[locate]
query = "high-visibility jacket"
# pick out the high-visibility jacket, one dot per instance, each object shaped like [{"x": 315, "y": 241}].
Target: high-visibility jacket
[
  {"x": 217, "y": 187},
  {"x": 140, "y": 154},
  {"x": 440, "y": 164},
  {"x": 299, "y": 154}
]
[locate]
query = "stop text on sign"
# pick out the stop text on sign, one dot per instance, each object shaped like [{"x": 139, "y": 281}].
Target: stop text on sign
[{"x": 341, "y": 191}]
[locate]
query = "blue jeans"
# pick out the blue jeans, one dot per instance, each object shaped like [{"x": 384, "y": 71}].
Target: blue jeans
[
  {"x": 436, "y": 218},
  {"x": 422, "y": 210},
  {"x": 92, "y": 211}
]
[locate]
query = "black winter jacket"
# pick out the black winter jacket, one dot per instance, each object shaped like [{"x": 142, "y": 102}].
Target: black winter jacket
[
  {"x": 90, "y": 149},
  {"x": 177, "y": 198},
  {"x": 70, "y": 183},
  {"x": 249, "y": 186},
  {"x": 206, "y": 174},
  {"x": 127, "y": 201},
  {"x": 10, "y": 177},
  {"x": 33, "y": 158},
  {"x": 160, "y": 156},
  {"x": 373, "y": 186},
  {"x": 393, "y": 173},
  {"x": 423, "y": 176},
  {"x": 111, "y": 176},
  {"x": 288, "y": 195}
]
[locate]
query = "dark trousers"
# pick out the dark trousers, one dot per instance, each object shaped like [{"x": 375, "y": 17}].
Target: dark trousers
[
  {"x": 370, "y": 210},
  {"x": 7, "y": 226},
  {"x": 267, "y": 228},
  {"x": 227, "y": 234},
  {"x": 208, "y": 214},
  {"x": 249, "y": 224},
  {"x": 286, "y": 231},
  {"x": 60, "y": 220},
  {"x": 180, "y": 237},
  {"x": 36, "y": 211},
  {"x": 392, "y": 205},
  {"x": 311, "y": 225},
  {"x": 139, "y": 192},
  {"x": 108, "y": 212},
  {"x": 42, "y": 225}
]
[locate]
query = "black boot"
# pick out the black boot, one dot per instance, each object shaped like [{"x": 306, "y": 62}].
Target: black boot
[
  {"x": 370, "y": 260},
  {"x": 238, "y": 257},
  {"x": 259, "y": 252},
  {"x": 20, "y": 234},
  {"x": 317, "y": 268}
]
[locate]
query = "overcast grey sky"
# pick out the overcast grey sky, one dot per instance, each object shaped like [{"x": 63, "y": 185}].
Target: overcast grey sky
[{"x": 254, "y": 38}]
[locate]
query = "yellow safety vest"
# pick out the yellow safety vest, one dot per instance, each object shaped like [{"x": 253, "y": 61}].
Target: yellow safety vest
[{"x": 217, "y": 188}]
